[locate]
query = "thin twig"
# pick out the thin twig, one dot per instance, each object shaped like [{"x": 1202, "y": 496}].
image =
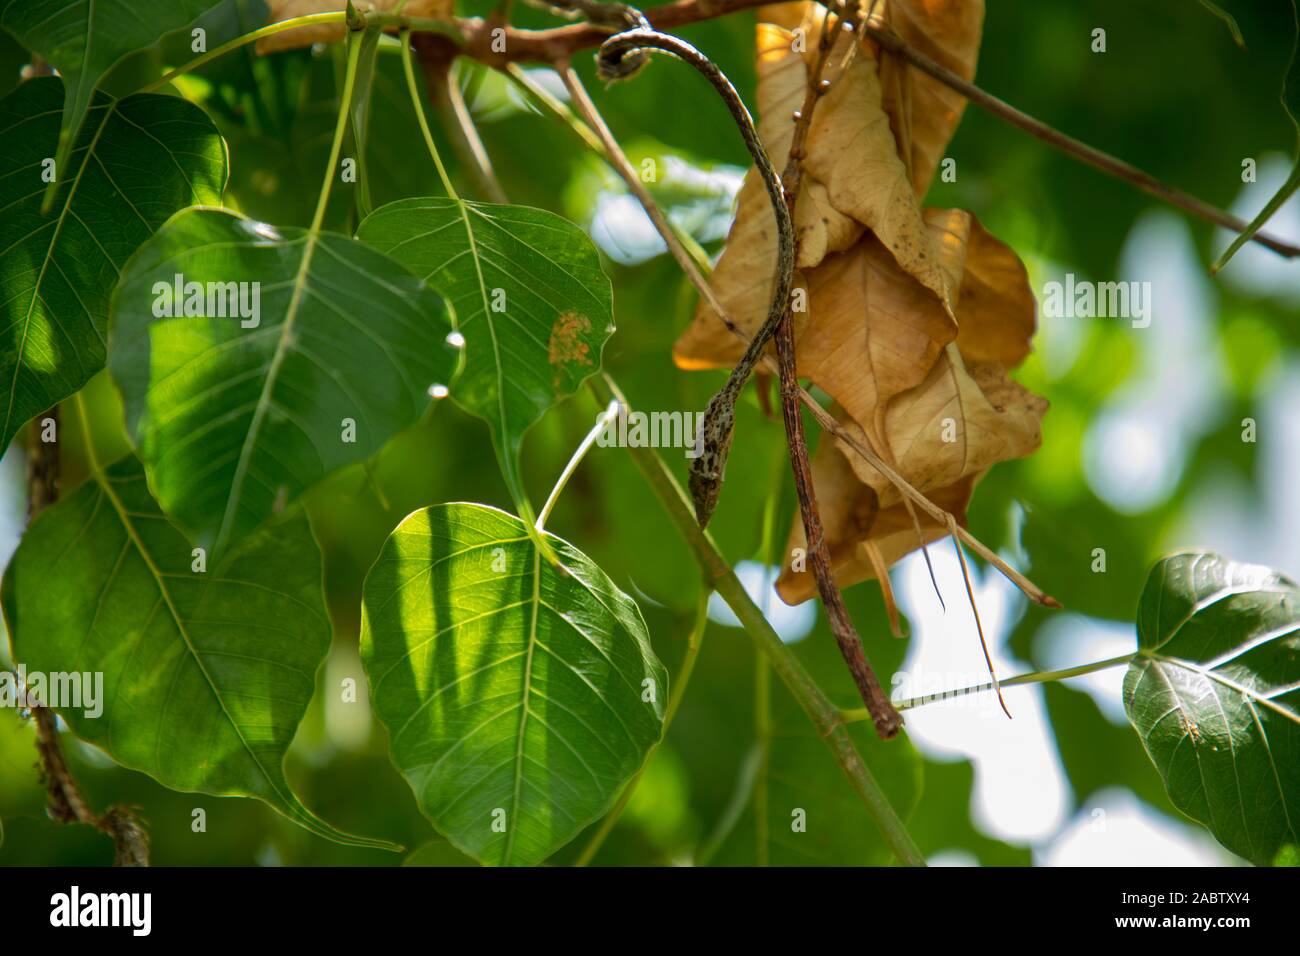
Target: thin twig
[
  {"x": 1036, "y": 677},
  {"x": 444, "y": 91},
  {"x": 614, "y": 154},
  {"x": 979, "y": 627}
]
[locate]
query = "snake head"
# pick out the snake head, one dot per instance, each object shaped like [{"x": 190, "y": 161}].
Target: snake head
[
  {"x": 714, "y": 445},
  {"x": 620, "y": 57}
]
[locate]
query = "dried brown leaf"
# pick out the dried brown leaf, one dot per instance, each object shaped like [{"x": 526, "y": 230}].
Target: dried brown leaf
[
  {"x": 913, "y": 317},
  {"x": 989, "y": 418},
  {"x": 933, "y": 400},
  {"x": 924, "y": 112}
]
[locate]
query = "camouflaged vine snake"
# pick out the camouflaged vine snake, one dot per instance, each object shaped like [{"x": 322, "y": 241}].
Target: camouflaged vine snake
[{"x": 621, "y": 57}]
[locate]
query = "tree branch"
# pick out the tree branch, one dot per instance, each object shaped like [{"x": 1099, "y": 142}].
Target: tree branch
[
  {"x": 560, "y": 43},
  {"x": 886, "y": 718},
  {"x": 444, "y": 92}
]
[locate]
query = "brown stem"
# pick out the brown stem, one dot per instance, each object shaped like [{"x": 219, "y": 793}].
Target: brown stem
[
  {"x": 560, "y": 43},
  {"x": 43, "y": 466},
  {"x": 886, "y": 718},
  {"x": 64, "y": 800}
]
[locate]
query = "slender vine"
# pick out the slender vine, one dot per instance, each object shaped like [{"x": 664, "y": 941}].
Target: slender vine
[{"x": 616, "y": 61}]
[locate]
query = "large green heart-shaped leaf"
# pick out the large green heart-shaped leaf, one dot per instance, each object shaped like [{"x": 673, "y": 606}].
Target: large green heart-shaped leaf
[
  {"x": 519, "y": 696},
  {"x": 235, "y": 417},
  {"x": 531, "y": 300},
  {"x": 85, "y": 38},
  {"x": 1214, "y": 693},
  {"x": 206, "y": 674},
  {"x": 137, "y": 161}
]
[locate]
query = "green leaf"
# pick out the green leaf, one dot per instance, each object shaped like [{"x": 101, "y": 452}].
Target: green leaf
[
  {"x": 206, "y": 675},
  {"x": 1291, "y": 104},
  {"x": 234, "y": 422},
  {"x": 512, "y": 689},
  {"x": 137, "y": 161},
  {"x": 1213, "y": 694},
  {"x": 84, "y": 39},
  {"x": 531, "y": 300}
]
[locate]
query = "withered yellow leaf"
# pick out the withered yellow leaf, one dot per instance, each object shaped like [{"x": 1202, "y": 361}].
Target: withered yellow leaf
[
  {"x": 851, "y": 150},
  {"x": 913, "y": 317},
  {"x": 788, "y": 15},
  {"x": 871, "y": 331},
  {"x": 852, "y": 516},
  {"x": 932, "y": 399},
  {"x": 924, "y": 112},
  {"x": 744, "y": 276},
  {"x": 853, "y": 177},
  {"x": 945, "y": 434}
]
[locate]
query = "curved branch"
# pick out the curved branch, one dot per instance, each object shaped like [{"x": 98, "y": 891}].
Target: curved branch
[{"x": 614, "y": 62}]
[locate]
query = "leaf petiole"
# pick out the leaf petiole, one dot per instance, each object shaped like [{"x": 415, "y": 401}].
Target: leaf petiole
[
  {"x": 340, "y": 128},
  {"x": 418, "y": 106},
  {"x": 608, "y": 415}
]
